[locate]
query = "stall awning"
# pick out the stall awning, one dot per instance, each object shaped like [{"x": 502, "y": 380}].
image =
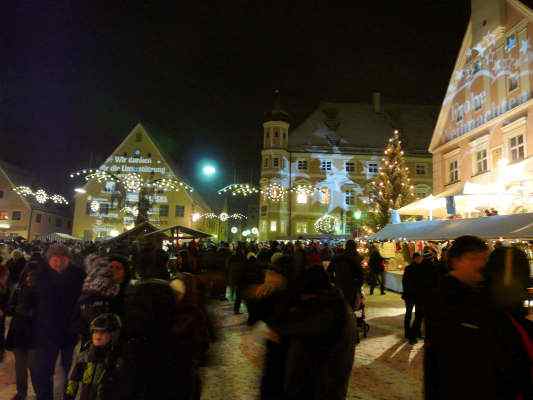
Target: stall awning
[
  {"x": 180, "y": 229},
  {"x": 59, "y": 236},
  {"x": 516, "y": 226}
]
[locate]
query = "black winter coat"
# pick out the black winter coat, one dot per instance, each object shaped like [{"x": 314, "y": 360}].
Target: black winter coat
[{"x": 348, "y": 275}]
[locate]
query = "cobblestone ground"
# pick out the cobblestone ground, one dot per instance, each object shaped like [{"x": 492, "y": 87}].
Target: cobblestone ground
[{"x": 386, "y": 366}]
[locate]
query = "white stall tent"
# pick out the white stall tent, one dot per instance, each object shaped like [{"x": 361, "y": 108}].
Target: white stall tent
[{"x": 515, "y": 226}]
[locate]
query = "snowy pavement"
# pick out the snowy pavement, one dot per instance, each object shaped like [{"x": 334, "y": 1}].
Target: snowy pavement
[{"x": 386, "y": 366}]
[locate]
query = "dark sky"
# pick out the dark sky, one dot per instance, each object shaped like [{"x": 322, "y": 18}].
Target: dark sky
[{"x": 81, "y": 74}]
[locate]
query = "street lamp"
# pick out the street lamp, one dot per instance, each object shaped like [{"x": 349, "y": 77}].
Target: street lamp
[{"x": 209, "y": 170}]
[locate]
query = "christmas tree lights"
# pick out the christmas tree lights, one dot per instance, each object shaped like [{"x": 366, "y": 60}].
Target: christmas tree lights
[{"x": 391, "y": 188}]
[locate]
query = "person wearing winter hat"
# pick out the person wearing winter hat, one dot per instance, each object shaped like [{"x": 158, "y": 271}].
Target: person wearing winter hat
[
  {"x": 99, "y": 290},
  {"x": 99, "y": 372},
  {"x": 122, "y": 276}
]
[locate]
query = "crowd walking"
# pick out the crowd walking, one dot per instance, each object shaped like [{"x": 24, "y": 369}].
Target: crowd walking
[{"x": 131, "y": 324}]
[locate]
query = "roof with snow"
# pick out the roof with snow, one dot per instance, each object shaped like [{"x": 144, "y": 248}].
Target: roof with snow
[{"x": 340, "y": 127}]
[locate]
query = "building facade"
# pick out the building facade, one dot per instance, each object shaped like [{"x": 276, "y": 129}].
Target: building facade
[
  {"x": 483, "y": 141},
  {"x": 101, "y": 213},
  {"x": 23, "y": 216},
  {"x": 322, "y": 166}
]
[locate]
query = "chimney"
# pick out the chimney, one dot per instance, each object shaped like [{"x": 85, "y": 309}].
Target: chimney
[{"x": 376, "y": 101}]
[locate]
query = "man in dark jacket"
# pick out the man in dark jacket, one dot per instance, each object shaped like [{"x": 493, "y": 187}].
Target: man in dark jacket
[
  {"x": 458, "y": 329},
  {"x": 348, "y": 273},
  {"x": 376, "y": 267},
  {"x": 56, "y": 289},
  {"x": 411, "y": 288}
]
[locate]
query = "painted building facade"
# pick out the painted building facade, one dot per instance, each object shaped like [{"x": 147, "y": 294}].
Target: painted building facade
[
  {"x": 23, "y": 216},
  {"x": 99, "y": 213},
  {"x": 483, "y": 141},
  {"x": 322, "y": 166}
]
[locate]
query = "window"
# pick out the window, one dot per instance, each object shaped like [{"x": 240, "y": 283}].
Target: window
[
  {"x": 301, "y": 197},
  {"x": 163, "y": 210},
  {"x": 49, "y": 220},
  {"x": 481, "y": 161},
  {"x": 180, "y": 211},
  {"x": 478, "y": 101},
  {"x": 477, "y": 67},
  {"x": 104, "y": 208},
  {"x": 139, "y": 137},
  {"x": 59, "y": 222},
  {"x": 302, "y": 165},
  {"x": 3, "y": 215},
  {"x": 1, "y": 194},
  {"x": 38, "y": 218},
  {"x": 276, "y": 133},
  {"x": 422, "y": 191},
  {"x": 325, "y": 165},
  {"x": 69, "y": 224},
  {"x": 273, "y": 226},
  {"x": 109, "y": 187},
  {"x": 513, "y": 82},
  {"x": 516, "y": 148},
  {"x": 275, "y": 162},
  {"x": 136, "y": 153},
  {"x": 284, "y": 135},
  {"x": 350, "y": 167},
  {"x": 301, "y": 227},
  {"x": 453, "y": 168},
  {"x": 264, "y": 210},
  {"x": 459, "y": 113},
  {"x": 268, "y": 134},
  {"x": 16, "y": 216},
  {"x": 88, "y": 208},
  {"x": 324, "y": 196},
  {"x": 420, "y": 169},
  {"x": 265, "y": 162},
  {"x": 372, "y": 169},
  {"x": 263, "y": 225},
  {"x": 510, "y": 42},
  {"x": 349, "y": 197},
  {"x": 282, "y": 226}
]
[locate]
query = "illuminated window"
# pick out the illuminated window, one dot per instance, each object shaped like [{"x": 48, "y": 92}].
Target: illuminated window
[
  {"x": 350, "y": 167},
  {"x": 302, "y": 165},
  {"x": 516, "y": 148},
  {"x": 273, "y": 226},
  {"x": 109, "y": 187},
  {"x": 325, "y": 165},
  {"x": 324, "y": 195},
  {"x": 481, "y": 161},
  {"x": 301, "y": 227},
  {"x": 496, "y": 156},
  {"x": 453, "y": 169},
  {"x": 301, "y": 197},
  {"x": 349, "y": 197},
  {"x": 420, "y": 169},
  {"x": 510, "y": 42},
  {"x": 282, "y": 226},
  {"x": 263, "y": 225},
  {"x": 372, "y": 169},
  {"x": 3, "y": 215}
]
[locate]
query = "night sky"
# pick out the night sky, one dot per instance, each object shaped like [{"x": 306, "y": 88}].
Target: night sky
[{"x": 81, "y": 74}]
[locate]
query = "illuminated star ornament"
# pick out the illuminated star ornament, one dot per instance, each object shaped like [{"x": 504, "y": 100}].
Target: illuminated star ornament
[
  {"x": 239, "y": 189},
  {"x": 326, "y": 224},
  {"x": 274, "y": 192},
  {"x": 40, "y": 195}
]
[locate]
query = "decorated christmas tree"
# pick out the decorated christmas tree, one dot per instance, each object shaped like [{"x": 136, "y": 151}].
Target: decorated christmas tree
[{"x": 391, "y": 188}]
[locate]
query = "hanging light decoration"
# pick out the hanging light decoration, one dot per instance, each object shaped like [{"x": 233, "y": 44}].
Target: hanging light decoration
[
  {"x": 95, "y": 206},
  {"x": 237, "y": 216},
  {"x": 239, "y": 189},
  {"x": 40, "y": 195},
  {"x": 132, "y": 182},
  {"x": 326, "y": 224},
  {"x": 274, "y": 192},
  {"x": 223, "y": 216}
]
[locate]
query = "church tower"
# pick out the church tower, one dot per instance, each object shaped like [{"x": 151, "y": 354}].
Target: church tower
[{"x": 273, "y": 217}]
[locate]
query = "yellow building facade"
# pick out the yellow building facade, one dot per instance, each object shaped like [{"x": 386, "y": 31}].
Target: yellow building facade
[
  {"x": 104, "y": 211},
  {"x": 483, "y": 141}
]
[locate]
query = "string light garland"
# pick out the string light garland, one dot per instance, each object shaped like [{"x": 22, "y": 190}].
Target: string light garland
[
  {"x": 40, "y": 195},
  {"x": 274, "y": 192},
  {"x": 326, "y": 224},
  {"x": 223, "y": 216},
  {"x": 239, "y": 189}
]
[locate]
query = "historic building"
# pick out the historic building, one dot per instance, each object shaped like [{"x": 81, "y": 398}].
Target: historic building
[
  {"x": 28, "y": 217},
  {"x": 483, "y": 141},
  {"x": 102, "y": 212},
  {"x": 322, "y": 165}
]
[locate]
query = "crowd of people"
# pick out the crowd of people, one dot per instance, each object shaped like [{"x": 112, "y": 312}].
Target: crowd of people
[{"x": 133, "y": 323}]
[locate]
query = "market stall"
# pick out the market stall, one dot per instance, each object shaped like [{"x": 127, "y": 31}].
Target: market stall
[{"x": 392, "y": 239}]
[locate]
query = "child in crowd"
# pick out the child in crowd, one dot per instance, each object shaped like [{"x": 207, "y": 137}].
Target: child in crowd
[{"x": 99, "y": 372}]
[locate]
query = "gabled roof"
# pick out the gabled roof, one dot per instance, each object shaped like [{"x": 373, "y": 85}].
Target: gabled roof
[{"x": 356, "y": 127}]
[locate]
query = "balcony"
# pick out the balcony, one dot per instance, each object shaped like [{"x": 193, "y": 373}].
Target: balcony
[{"x": 487, "y": 116}]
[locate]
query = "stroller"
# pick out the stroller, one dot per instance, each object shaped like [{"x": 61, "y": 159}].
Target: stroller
[{"x": 359, "y": 310}]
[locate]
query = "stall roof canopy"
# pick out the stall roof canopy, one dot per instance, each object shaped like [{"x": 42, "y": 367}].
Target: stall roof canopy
[
  {"x": 182, "y": 229},
  {"x": 516, "y": 226}
]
